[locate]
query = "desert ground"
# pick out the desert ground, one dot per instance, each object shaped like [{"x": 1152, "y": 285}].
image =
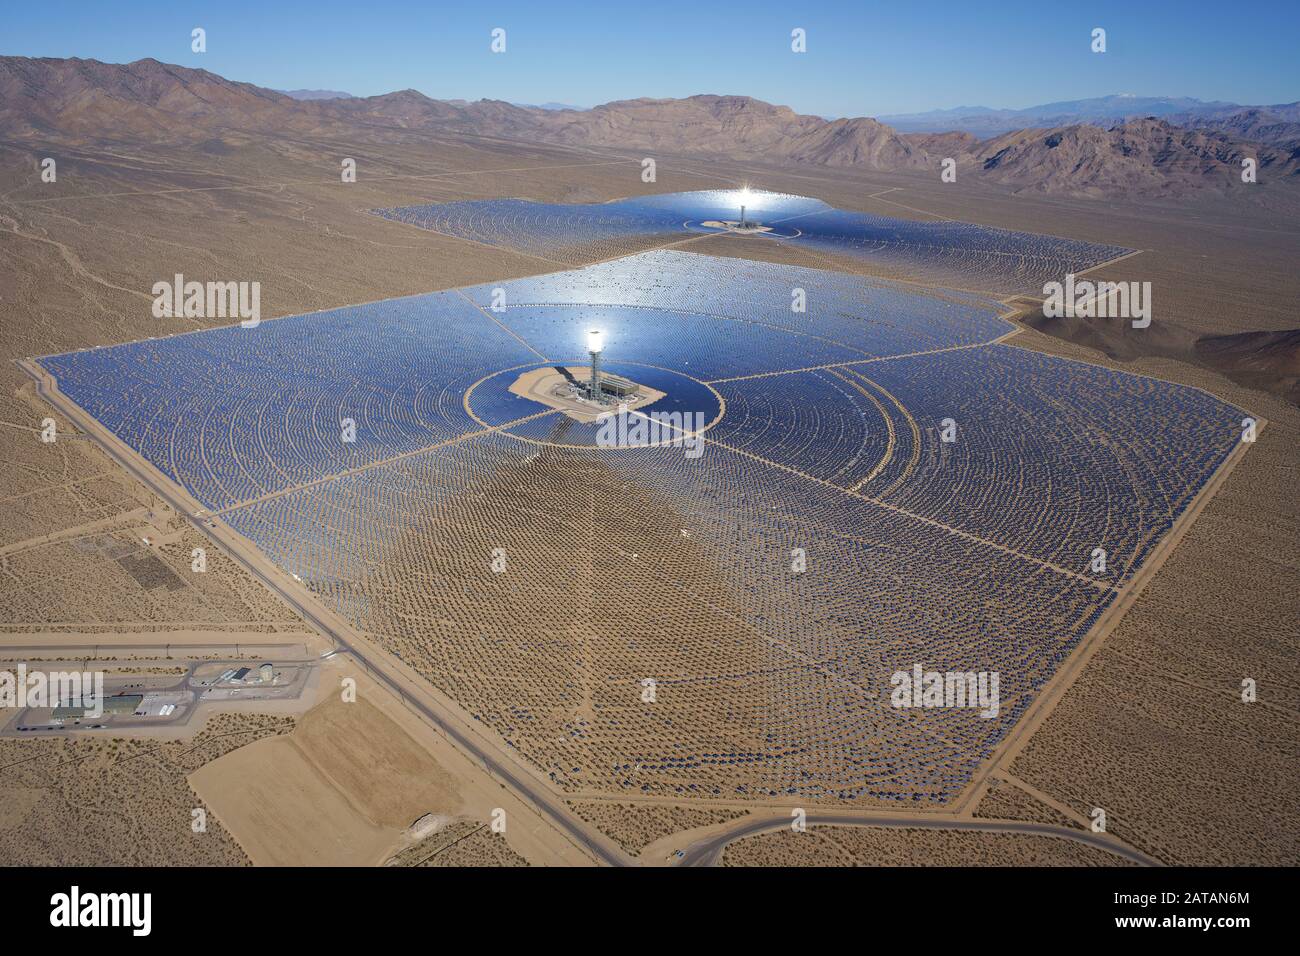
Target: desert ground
[
  {"x": 348, "y": 784},
  {"x": 862, "y": 846},
  {"x": 124, "y": 802},
  {"x": 1149, "y": 727}
]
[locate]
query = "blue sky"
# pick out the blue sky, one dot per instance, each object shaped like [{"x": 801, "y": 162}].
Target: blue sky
[{"x": 864, "y": 58}]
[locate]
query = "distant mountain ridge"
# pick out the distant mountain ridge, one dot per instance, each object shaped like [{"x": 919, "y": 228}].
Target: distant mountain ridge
[
  {"x": 1101, "y": 110},
  {"x": 317, "y": 94},
  {"x": 1276, "y": 125},
  {"x": 146, "y": 99},
  {"x": 549, "y": 106}
]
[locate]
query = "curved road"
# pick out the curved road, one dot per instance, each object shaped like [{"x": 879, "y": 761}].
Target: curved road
[{"x": 706, "y": 852}]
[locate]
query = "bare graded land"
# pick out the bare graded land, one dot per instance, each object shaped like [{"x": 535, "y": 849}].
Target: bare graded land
[
  {"x": 339, "y": 790},
  {"x": 548, "y": 386},
  {"x": 1186, "y": 771}
]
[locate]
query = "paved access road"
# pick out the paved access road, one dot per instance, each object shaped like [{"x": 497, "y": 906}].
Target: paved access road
[{"x": 708, "y": 851}]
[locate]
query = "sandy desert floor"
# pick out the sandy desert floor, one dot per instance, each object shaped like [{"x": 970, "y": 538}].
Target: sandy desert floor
[{"x": 862, "y": 846}]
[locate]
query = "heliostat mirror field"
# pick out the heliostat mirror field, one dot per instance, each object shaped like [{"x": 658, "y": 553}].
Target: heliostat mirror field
[
  {"x": 960, "y": 254},
  {"x": 539, "y": 577}
]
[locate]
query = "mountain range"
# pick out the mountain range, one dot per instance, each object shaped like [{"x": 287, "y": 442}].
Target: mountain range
[
  {"x": 1102, "y": 110},
  {"x": 1191, "y": 146},
  {"x": 316, "y": 94},
  {"x": 1278, "y": 124},
  {"x": 337, "y": 95}
]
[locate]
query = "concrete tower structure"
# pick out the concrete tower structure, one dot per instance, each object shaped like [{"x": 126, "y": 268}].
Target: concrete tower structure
[
  {"x": 744, "y": 198},
  {"x": 595, "y": 345}
]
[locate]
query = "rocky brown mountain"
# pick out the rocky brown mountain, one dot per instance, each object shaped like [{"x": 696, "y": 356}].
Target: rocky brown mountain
[
  {"x": 146, "y": 99},
  {"x": 1147, "y": 157},
  {"x": 1277, "y": 126}
]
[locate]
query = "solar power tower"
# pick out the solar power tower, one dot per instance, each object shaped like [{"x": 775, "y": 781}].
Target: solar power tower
[{"x": 595, "y": 345}]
